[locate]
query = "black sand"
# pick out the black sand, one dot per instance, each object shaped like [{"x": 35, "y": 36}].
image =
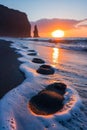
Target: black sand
[{"x": 10, "y": 75}]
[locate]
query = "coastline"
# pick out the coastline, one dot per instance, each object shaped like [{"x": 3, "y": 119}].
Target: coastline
[
  {"x": 10, "y": 75},
  {"x": 15, "y": 105}
]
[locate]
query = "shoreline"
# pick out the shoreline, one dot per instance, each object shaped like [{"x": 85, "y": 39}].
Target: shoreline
[
  {"x": 10, "y": 74},
  {"x": 39, "y": 92}
]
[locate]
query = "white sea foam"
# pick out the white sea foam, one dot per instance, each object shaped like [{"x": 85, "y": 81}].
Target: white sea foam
[{"x": 14, "y": 109}]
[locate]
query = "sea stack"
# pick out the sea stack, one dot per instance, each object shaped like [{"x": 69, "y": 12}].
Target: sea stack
[
  {"x": 35, "y": 31},
  {"x": 14, "y": 23}
]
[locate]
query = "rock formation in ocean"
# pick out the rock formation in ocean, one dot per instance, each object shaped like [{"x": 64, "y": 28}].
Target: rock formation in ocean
[
  {"x": 14, "y": 23},
  {"x": 35, "y": 31}
]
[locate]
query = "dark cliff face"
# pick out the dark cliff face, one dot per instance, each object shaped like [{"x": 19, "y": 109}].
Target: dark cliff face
[{"x": 14, "y": 23}]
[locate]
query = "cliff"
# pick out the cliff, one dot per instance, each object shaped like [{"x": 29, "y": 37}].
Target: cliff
[{"x": 14, "y": 23}]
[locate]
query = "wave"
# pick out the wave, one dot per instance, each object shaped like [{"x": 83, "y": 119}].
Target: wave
[
  {"x": 79, "y": 47},
  {"x": 76, "y": 44}
]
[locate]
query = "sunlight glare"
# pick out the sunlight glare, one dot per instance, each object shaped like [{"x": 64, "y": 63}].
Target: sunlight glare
[
  {"x": 58, "y": 33},
  {"x": 55, "y": 55}
]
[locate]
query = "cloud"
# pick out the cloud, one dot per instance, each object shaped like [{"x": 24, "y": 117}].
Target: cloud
[
  {"x": 82, "y": 23},
  {"x": 55, "y": 23}
]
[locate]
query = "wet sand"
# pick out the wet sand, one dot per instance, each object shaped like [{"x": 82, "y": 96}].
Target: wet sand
[{"x": 10, "y": 75}]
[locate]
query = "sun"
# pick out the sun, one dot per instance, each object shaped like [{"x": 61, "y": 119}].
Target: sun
[{"x": 58, "y": 33}]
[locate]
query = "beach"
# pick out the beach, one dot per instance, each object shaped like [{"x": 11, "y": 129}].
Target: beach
[
  {"x": 68, "y": 63},
  {"x": 10, "y": 75}
]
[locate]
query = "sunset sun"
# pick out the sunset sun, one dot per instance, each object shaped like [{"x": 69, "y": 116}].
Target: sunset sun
[{"x": 58, "y": 33}]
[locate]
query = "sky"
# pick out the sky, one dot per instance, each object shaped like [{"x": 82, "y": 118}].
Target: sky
[
  {"x": 37, "y": 9},
  {"x": 50, "y": 9}
]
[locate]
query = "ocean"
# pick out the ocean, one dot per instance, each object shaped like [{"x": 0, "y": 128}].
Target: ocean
[{"x": 68, "y": 57}]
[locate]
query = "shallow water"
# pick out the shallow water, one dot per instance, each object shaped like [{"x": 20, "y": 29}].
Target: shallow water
[{"x": 70, "y": 68}]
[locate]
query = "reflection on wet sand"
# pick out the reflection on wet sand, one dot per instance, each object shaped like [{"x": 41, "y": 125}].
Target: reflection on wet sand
[
  {"x": 55, "y": 55},
  {"x": 60, "y": 57}
]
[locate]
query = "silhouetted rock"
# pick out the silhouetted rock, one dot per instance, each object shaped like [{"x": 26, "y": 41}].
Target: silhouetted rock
[
  {"x": 46, "y": 70},
  {"x": 35, "y": 31},
  {"x": 49, "y": 100},
  {"x": 58, "y": 87},
  {"x": 37, "y": 60},
  {"x": 31, "y": 50},
  {"x": 14, "y": 23},
  {"x": 32, "y": 54}
]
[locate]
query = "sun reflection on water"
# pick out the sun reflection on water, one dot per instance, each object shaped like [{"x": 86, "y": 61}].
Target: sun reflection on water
[{"x": 55, "y": 55}]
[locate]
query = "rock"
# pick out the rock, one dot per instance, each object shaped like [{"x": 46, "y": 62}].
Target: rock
[
  {"x": 35, "y": 31},
  {"x": 14, "y": 23},
  {"x": 37, "y": 60},
  {"x": 31, "y": 50},
  {"x": 46, "y": 102},
  {"x": 46, "y": 70},
  {"x": 32, "y": 54},
  {"x": 57, "y": 87},
  {"x": 49, "y": 100}
]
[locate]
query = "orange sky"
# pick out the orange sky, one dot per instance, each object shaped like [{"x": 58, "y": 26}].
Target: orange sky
[
  {"x": 72, "y": 28},
  {"x": 78, "y": 32}
]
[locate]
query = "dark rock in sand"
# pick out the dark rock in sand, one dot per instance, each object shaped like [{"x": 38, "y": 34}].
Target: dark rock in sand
[
  {"x": 32, "y": 54},
  {"x": 57, "y": 87},
  {"x": 14, "y": 23},
  {"x": 46, "y": 102},
  {"x": 46, "y": 70},
  {"x": 49, "y": 100},
  {"x": 31, "y": 50},
  {"x": 37, "y": 60}
]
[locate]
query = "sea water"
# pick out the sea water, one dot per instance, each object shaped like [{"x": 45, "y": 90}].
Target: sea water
[{"x": 69, "y": 59}]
